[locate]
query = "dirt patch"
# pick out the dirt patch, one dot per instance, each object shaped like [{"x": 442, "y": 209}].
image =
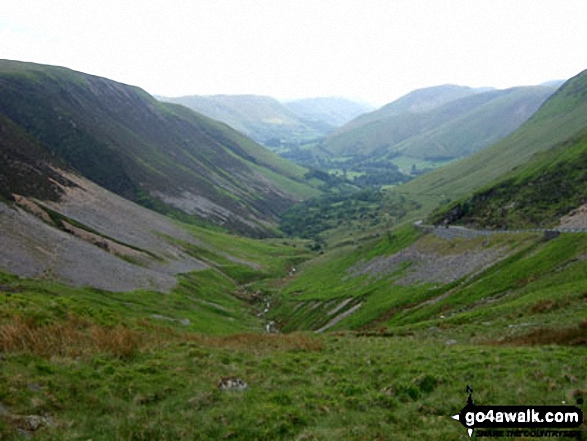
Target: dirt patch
[
  {"x": 32, "y": 208},
  {"x": 576, "y": 336}
]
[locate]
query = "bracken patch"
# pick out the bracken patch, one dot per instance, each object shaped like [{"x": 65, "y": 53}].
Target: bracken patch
[
  {"x": 575, "y": 336},
  {"x": 72, "y": 338}
]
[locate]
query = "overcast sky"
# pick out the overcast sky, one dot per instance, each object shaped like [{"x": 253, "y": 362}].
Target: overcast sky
[{"x": 375, "y": 50}]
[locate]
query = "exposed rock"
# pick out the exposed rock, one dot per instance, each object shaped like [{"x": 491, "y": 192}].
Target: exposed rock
[
  {"x": 575, "y": 219},
  {"x": 34, "y": 387},
  {"x": 4, "y": 410},
  {"x": 32, "y": 247},
  {"x": 232, "y": 383},
  {"x": 428, "y": 266},
  {"x": 551, "y": 234},
  {"x": 31, "y": 422},
  {"x": 339, "y": 317},
  {"x": 339, "y": 306},
  {"x": 184, "y": 322}
]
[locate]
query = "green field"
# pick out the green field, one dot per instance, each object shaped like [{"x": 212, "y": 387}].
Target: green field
[{"x": 299, "y": 387}]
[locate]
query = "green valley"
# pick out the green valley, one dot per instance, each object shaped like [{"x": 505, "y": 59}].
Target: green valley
[
  {"x": 273, "y": 123},
  {"x": 164, "y": 277}
]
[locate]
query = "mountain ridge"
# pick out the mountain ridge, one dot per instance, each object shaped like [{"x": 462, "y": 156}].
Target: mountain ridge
[
  {"x": 559, "y": 118},
  {"x": 464, "y": 124},
  {"x": 419, "y": 100},
  {"x": 161, "y": 155}
]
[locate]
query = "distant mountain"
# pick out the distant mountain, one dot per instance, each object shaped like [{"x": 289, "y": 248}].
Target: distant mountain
[
  {"x": 333, "y": 112},
  {"x": 161, "y": 155},
  {"x": 454, "y": 129},
  {"x": 420, "y": 100},
  {"x": 554, "y": 83},
  {"x": 551, "y": 185},
  {"x": 545, "y": 154},
  {"x": 271, "y": 122},
  {"x": 466, "y": 133},
  {"x": 262, "y": 118}
]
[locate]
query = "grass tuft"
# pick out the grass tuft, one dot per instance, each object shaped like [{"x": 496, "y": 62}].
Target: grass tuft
[{"x": 294, "y": 342}]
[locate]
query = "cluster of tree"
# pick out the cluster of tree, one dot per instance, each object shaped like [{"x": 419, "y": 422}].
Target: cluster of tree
[
  {"x": 378, "y": 178},
  {"x": 367, "y": 206},
  {"x": 375, "y": 171}
]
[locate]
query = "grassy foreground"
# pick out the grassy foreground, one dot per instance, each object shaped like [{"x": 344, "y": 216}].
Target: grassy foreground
[{"x": 88, "y": 381}]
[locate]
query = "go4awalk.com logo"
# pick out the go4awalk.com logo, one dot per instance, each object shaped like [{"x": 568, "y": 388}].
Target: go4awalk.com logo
[{"x": 529, "y": 421}]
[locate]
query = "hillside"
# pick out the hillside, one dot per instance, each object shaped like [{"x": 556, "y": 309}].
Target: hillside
[
  {"x": 534, "y": 195},
  {"x": 420, "y": 100},
  {"x": 531, "y": 179},
  {"x": 333, "y": 112},
  {"x": 262, "y": 118},
  {"x": 454, "y": 129},
  {"x": 412, "y": 279},
  {"x": 59, "y": 226},
  {"x": 163, "y": 156},
  {"x": 561, "y": 119}
]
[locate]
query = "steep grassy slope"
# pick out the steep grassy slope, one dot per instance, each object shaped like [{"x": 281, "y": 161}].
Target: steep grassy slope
[
  {"x": 482, "y": 126},
  {"x": 417, "y": 101},
  {"x": 416, "y": 281},
  {"x": 537, "y": 194},
  {"x": 161, "y": 155},
  {"x": 264, "y": 119},
  {"x": 562, "y": 118},
  {"x": 455, "y": 129}
]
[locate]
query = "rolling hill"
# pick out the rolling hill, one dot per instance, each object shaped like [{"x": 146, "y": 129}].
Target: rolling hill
[
  {"x": 272, "y": 122},
  {"x": 451, "y": 130},
  {"x": 420, "y": 100},
  {"x": 561, "y": 120},
  {"x": 265, "y": 119},
  {"x": 163, "y": 156},
  {"x": 407, "y": 277},
  {"x": 548, "y": 191},
  {"x": 262, "y": 118}
]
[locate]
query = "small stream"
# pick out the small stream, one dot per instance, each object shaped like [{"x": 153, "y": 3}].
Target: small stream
[{"x": 270, "y": 326}]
